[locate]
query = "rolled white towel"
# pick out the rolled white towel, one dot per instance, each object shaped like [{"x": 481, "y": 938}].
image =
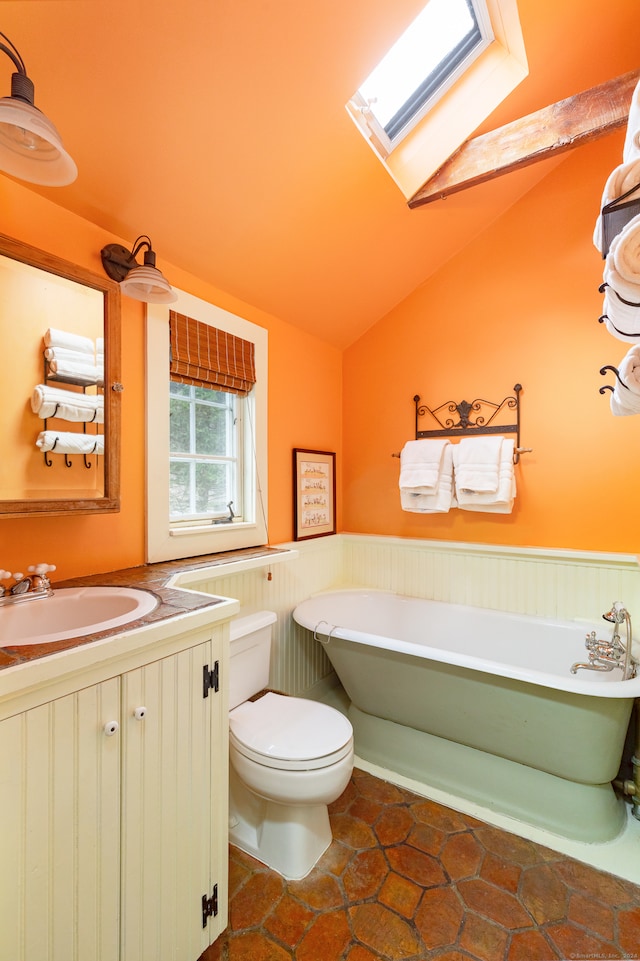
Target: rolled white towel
[
  {"x": 65, "y": 354},
  {"x": 66, "y": 442},
  {"x": 86, "y": 374},
  {"x": 420, "y": 465},
  {"x": 477, "y": 464},
  {"x": 631, "y": 147},
  {"x": 623, "y": 178},
  {"x": 69, "y": 405},
  {"x": 499, "y": 502},
  {"x": 621, "y": 317},
  {"x": 63, "y": 338},
  {"x": 625, "y": 253},
  {"x": 438, "y": 501},
  {"x": 625, "y": 400}
]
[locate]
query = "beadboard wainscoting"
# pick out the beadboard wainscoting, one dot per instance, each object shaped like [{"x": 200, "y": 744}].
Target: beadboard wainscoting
[{"x": 547, "y": 583}]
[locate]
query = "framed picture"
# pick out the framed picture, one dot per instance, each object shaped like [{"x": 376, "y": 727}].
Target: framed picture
[{"x": 314, "y": 493}]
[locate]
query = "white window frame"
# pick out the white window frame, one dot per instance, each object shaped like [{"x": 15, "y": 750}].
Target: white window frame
[
  {"x": 365, "y": 114},
  {"x": 167, "y": 541}
]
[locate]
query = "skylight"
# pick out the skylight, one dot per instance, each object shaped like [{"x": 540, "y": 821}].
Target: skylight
[{"x": 431, "y": 54}]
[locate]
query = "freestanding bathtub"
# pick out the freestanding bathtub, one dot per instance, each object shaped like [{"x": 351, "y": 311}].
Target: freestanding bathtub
[{"x": 481, "y": 704}]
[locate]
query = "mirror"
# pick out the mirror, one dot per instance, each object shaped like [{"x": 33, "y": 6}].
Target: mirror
[{"x": 59, "y": 385}]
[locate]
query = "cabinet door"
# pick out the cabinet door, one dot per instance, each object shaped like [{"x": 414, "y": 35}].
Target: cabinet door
[
  {"x": 166, "y": 808},
  {"x": 60, "y": 815}
]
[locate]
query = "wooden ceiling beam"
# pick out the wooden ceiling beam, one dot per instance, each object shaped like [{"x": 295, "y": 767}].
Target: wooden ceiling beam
[{"x": 562, "y": 126}]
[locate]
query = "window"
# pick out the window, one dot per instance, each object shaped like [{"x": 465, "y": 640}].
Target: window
[
  {"x": 429, "y": 56},
  {"x": 444, "y": 97},
  {"x": 205, "y": 454},
  {"x": 206, "y": 445}
]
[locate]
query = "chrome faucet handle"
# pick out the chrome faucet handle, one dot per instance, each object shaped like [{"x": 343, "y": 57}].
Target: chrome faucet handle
[{"x": 5, "y": 575}]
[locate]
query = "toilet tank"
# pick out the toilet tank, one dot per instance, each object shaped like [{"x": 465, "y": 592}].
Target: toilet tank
[{"x": 250, "y": 653}]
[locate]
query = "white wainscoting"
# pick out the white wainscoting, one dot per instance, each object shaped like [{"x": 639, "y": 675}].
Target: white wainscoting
[{"x": 546, "y": 583}]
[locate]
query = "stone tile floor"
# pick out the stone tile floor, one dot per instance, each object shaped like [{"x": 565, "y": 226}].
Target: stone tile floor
[{"x": 407, "y": 879}]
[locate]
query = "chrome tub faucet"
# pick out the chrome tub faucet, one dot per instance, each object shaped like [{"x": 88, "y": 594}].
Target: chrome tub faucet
[{"x": 607, "y": 655}]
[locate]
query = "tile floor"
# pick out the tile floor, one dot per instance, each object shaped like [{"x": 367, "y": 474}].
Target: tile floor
[{"x": 408, "y": 879}]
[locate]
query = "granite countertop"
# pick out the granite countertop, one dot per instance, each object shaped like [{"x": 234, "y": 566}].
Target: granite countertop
[{"x": 150, "y": 577}]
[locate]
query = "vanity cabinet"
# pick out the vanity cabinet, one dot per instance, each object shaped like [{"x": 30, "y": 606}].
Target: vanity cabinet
[{"x": 114, "y": 814}]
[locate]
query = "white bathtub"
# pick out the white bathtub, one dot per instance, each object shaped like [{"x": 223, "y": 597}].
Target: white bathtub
[{"x": 482, "y": 704}]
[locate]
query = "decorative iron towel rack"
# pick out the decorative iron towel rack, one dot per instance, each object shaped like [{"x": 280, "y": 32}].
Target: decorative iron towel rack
[
  {"x": 606, "y": 387},
  {"x": 478, "y": 417}
]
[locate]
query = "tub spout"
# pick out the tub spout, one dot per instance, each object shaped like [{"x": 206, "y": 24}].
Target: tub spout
[{"x": 595, "y": 665}]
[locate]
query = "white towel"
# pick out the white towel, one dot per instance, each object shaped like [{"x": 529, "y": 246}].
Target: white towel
[
  {"x": 625, "y": 400},
  {"x": 623, "y": 178},
  {"x": 631, "y": 147},
  {"x": 625, "y": 254},
  {"x": 438, "y": 501},
  {"x": 477, "y": 464},
  {"x": 621, "y": 317},
  {"x": 62, "y": 338},
  {"x": 69, "y": 405},
  {"x": 420, "y": 465},
  {"x": 86, "y": 374},
  {"x": 500, "y": 501},
  {"x": 66, "y": 442}
]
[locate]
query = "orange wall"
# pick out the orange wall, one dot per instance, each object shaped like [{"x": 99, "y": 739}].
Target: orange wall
[
  {"x": 305, "y": 405},
  {"x": 519, "y": 304}
]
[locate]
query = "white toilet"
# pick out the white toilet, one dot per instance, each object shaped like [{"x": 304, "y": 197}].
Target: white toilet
[{"x": 290, "y": 757}]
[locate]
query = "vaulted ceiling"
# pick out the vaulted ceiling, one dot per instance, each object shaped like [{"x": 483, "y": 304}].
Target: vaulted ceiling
[{"x": 218, "y": 128}]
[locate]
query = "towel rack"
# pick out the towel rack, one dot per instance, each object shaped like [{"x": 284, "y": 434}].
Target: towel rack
[
  {"x": 466, "y": 419},
  {"x": 81, "y": 382},
  {"x": 606, "y": 387}
]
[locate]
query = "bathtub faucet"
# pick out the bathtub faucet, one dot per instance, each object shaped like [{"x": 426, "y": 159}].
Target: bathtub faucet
[{"x": 607, "y": 655}]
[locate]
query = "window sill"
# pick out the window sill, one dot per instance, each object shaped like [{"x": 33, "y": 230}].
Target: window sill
[{"x": 212, "y": 571}]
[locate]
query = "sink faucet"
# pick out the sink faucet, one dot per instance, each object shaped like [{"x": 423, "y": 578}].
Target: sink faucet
[
  {"x": 606, "y": 655},
  {"x": 27, "y": 587}
]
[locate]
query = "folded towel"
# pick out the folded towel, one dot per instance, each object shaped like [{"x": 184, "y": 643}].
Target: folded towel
[
  {"x": 66, "y": 442},
  {"x": 621, "y": 317},
  {"x": 626, "y": 289},
  {"x": 498, "y": 502},
  {"x": 420, "y": 465},
  {"x": 88, "y": 373},
  {"x": 62, "y": 338},
  {"x": 477, "y": 464},
  {"x": 623, "y": 178},
  {"x": 631, "y": 147},
  {"x": 625, "y": 400},
  {"x": 66, "y": 354},
  {"x": 69, "y": 405},
  {"x": 625, "y": 253},
  {"x": 438, "y": 501}
]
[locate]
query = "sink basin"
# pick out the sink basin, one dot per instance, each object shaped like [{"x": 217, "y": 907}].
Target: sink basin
[{"x": 71, "y": 612}]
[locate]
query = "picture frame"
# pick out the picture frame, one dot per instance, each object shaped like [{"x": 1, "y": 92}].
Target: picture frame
[{"x": 314, "y": 493}]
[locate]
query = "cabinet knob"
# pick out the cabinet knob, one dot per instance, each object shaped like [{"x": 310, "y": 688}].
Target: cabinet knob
[
  {"x": 111, "y": 727},
  {"x": 139, "y": 713}
]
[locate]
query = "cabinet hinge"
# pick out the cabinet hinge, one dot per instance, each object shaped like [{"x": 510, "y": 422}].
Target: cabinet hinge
[
  {"x": 209, "y": 906},
  {"x": 210, "y": 680}
]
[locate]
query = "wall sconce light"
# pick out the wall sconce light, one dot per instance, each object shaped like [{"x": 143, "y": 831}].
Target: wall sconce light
[
  {"x": 30, "y": 145},
  {"x": 144, "y": 282}
]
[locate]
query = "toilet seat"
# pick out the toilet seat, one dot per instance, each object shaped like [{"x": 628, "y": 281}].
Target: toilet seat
[{"x": 290, "y": 733}]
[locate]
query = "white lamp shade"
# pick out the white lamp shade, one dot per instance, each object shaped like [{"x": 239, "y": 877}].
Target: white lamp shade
[
  {"x": 30, "y": 146},
  {"x": 148, "y": 284}
]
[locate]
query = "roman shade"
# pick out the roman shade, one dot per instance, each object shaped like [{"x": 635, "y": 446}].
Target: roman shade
[{"x": 207, "y": 357}]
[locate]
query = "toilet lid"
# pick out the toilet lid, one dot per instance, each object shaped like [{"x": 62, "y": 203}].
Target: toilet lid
[{"x": 284, "y": 728}]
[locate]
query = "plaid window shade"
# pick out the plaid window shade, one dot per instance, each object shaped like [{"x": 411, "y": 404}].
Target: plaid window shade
[{"x": 207, "y": 357}]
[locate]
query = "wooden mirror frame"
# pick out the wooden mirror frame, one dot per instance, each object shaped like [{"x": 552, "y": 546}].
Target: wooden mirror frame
[{"x": 110, "y": 501}]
